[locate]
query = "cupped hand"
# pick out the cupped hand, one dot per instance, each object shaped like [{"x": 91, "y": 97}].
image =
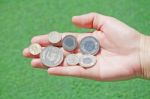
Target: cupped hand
[{"x": 119, "y": 55}]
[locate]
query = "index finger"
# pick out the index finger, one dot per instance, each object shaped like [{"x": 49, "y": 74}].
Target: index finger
[{"x": 43, "y": 39}]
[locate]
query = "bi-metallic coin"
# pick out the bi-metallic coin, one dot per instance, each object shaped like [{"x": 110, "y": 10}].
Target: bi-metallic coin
[
  {"x": 87, "y": 60},
  {"x": 69, "y": 43},
  {"x": 72, "y": 59},
  {"x": 89, "y": 45},
  {"x": 35, "y": 49},
  {"x": 51, "y": 56}
]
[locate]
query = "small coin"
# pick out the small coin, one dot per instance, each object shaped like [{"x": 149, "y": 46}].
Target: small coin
[
  {"x": 69, "y": 43},
  {"x": 87, "y": 60},
  {"x": 89, "y": 45},
  {"x": 54, "y": 37},
  {"x": 72, "y": 59},
  {"x": 51, "y": 56},
  {"x": 35, "y": 49}
]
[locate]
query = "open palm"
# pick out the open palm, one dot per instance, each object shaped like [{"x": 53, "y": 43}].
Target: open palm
[{"x": 119, "y": 55}]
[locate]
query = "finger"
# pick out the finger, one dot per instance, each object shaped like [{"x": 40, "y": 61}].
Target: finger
[
  {"x": 90, "y": 20},
  {"x": 74, "y": 71},
  {"x": 79, "y": 36},
  {"x": 36, "y": 63},
  {"x": 64, "y": 63},
  {"x": 26, "y": 53},
  {"x": 67, "y": 71},
  {"x": 43, "y": 39},
  {"x": 97, "y": 34}
]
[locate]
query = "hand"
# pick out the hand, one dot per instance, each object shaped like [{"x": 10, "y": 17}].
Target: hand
[{"x": 119, "y": 55}]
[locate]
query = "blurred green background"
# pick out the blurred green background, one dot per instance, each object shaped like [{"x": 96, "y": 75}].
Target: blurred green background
[{"x": 20, "y": 20}]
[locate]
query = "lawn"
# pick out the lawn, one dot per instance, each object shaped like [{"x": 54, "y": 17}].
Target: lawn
[{"x": 20, "y": 20}]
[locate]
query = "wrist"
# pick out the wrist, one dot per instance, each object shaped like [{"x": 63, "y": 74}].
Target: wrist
[{"x": 145, "y": 56}]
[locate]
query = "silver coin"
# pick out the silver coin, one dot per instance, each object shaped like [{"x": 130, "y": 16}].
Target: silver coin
[
  {"x": 89, "y": 45},
  {"x": 35, "y": 49},
  {"x": 54, "y": 37},
  {"x": 69, "y": 43},
  {"x": 87, "y": 60},
  {"x": 51, "y": 56},
  {"x": 72, "y": 59}
]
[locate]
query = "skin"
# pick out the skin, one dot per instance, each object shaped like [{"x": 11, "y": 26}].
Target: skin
[{"x": 119, "y": 55}]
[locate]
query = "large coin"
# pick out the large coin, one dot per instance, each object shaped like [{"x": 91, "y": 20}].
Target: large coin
[
  {"x": 72, "y": 59},
  {"x": 89, "y": 45},
  {"x": 69, "y": 43},
  {"x": 51, "y": 56},
  {"x": 54, "y": 37},
  {"x": 35, "y": 49},
  {"x": 87, "y": 60}
]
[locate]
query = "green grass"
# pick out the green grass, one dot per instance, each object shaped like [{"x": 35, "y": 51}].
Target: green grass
[{"x": 20, "y": 20}]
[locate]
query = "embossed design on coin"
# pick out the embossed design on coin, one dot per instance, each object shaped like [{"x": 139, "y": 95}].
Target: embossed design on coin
[
  {"x": 72, "y": 59},
  {"x": 87, "y": 60},
  {"x": 89, "y": 45},
  {"x": 51, "y": 56},
  {"x": 54, "y": 37},
  {"x": 35, "y": 49},
  {"x": 69, "y": 43}
]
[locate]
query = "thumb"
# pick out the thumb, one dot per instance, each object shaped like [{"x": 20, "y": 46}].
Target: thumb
[{"x": 90, "y": 20}]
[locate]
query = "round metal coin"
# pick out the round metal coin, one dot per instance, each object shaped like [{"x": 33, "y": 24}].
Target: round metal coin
[
  {"x": 87, "y": 60},
  {"x": 69, "y": 43},
  {"x": 54, "y": 37},
  {"x": 35, "y": 49},
  {"x": 72, "y": 59},
  {"x": 89, "y": 45},
  {"x": 51, "y": 56}
]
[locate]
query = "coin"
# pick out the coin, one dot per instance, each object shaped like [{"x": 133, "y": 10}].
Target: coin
[
  {"x": 69, "y": 43},
  {"x": 89, "y": 45},
  {"x": 72, "y": 59},
  {"x": 54, "y": 37},
  {"x": 87, "y": 60},
  {"x": 51, "y": 56},
  {"x": 35, "y": 49}
]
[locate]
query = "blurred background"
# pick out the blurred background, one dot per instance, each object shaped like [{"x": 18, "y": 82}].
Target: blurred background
[{"x": 20, "y": 20}]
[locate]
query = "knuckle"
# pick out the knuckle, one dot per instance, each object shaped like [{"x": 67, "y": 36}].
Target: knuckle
[
  {"x": 33, "y": 64},
  {"x": 94, "y": 13},
  {"x": 110, "y": 18},
  {"x": 33, "y": 40}
]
